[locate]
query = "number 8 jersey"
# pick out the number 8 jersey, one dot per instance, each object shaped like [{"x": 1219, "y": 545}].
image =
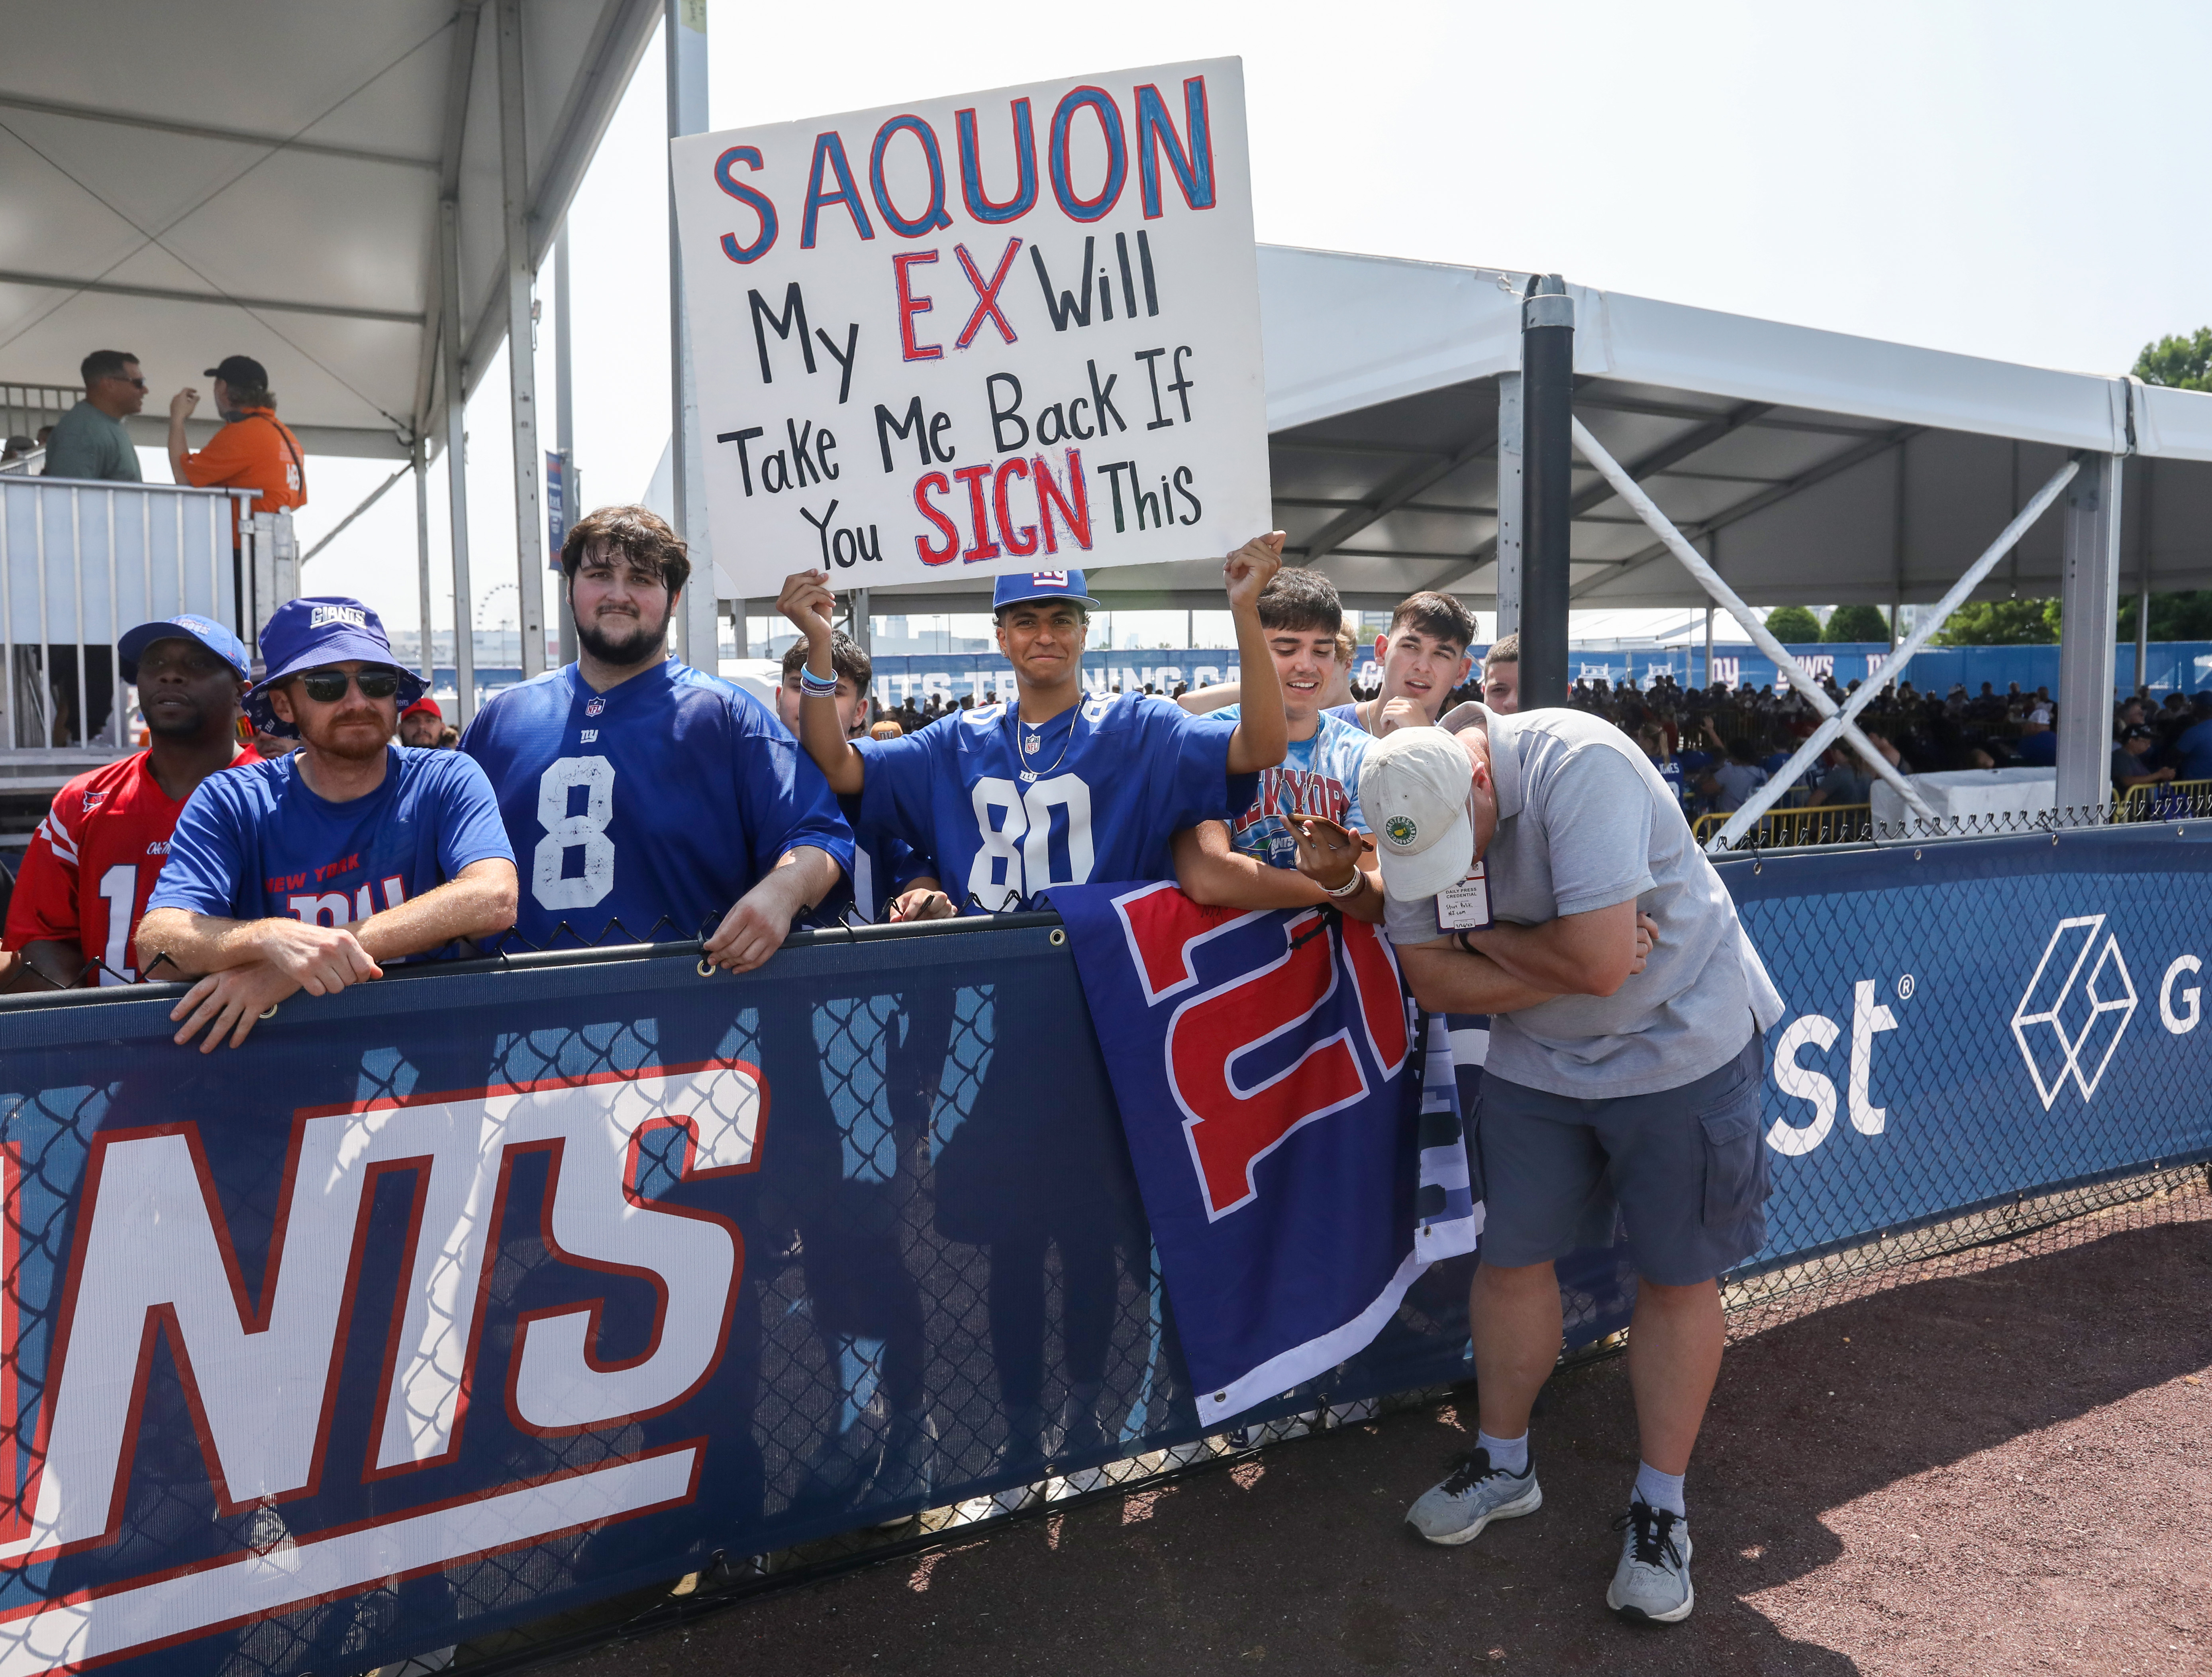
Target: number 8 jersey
[
  {"x": 642, "y": 813},
  {"x": 1094, "y": 794}
]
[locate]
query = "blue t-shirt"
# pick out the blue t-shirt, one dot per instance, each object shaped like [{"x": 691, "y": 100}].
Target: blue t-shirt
[
  {"x": 1318, "y": 777},
  {"x": 1115, "y": 779},
  {"x": 2192, "y": 752},
  {"x": 644, "y": 812},
  {"x": 254, "y": 843},
  {"x": 2039, "y": 750}
]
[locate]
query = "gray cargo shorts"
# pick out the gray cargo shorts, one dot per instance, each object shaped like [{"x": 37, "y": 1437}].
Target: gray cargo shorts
[{"x": 1686, "y": 1167}]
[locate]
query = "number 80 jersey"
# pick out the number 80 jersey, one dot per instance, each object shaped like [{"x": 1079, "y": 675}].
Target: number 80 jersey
[
  {"x": 643, "y": 813},
  {"x": 1106, "y": 785}
]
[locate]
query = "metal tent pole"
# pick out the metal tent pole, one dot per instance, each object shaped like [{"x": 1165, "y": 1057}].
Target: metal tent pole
[
  {"x": 522, "y": 342},
  {"x": 1509, "y": 504},
  {"x": 419, "y": 455},
  {"x": 683, "y": 25},
  {"x": 2089, "y": 611},
  {"x": 1547, "y": 373},
  {"x": 2142, "y": 581},
  {"x": 564, "y": 426},
  {"x": 457, "y": 464}
]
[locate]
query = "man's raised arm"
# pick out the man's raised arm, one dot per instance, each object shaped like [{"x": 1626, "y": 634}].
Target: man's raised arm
[
  {"x": 807, "y": 602},
  {"x": 1262, "y": 738}
]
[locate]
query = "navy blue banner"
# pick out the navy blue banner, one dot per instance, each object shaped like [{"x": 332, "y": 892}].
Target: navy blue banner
[
  {"x": 461, "y": 1298},
  {"x": 1294, "y": 1186}
]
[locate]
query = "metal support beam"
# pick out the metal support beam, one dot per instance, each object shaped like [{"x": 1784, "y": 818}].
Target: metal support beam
[
  {"x": 564, "y": 429},
  {"x": 1892, "y": 668},
  {"x": 421, "y": 465},
  {"x": 1548, "y": 389},
  {"x": 1757, "y": 503},
  {"x": 1401, "y": 491},
  {"x": 522, "y": 342},
  {"x": 1749, "y": 621},
  {"x": 2089, "y": 609},
  {"x": 199, "y": 131},
  {"x": 457, "y": 462},
  {"x": 1508, "y": 539},
  {"x": 111, "y": 288},
  {"x": 685, "y": 25}
]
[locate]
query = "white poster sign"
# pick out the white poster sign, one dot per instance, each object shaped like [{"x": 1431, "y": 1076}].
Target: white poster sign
[{"x": 1016, "y": 329}]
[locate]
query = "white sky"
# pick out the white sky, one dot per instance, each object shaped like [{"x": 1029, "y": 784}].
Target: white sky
[{"x": 2018, "y": 180}]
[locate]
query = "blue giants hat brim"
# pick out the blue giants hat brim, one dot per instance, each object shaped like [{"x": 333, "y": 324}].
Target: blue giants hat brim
[
  {"x": 1020, "y": 587},
  {"x": 190, "y": 627},
  {"x": 312, "y": 632}
]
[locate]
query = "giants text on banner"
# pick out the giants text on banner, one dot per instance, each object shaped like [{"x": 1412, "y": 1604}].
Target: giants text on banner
[
  {"x": 964, "y": 335},
  {"x": 1295, "y": 1186}
]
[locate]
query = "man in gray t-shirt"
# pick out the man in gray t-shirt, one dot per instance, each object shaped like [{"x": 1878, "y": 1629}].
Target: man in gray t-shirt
[
  {"x": 90, "y": 441},
  {"x": 1520, "y": 854}
]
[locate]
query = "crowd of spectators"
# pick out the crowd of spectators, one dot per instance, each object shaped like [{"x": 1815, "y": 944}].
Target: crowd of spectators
[{"x": 1722, "y": 744}]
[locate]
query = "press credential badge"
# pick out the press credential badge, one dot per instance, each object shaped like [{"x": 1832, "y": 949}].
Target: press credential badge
[{"x": 1465, "y": 906}]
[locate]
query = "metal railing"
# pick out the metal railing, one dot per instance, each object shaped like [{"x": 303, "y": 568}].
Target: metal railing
[
  {"x": 2163, "y": 802},
  {"x": 1782, "y": 829},
  {"x": 81, "y": 562},
  {"x": 25, "y": 408}
]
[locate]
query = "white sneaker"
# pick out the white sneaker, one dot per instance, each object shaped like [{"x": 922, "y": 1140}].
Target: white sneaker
[
  {"x": 1651, "y": 1585},
  {"x": 1455, "y": 1510}
]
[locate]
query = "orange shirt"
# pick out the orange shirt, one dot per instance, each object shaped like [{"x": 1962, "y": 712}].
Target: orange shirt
[{"x": 254, "y": 452}]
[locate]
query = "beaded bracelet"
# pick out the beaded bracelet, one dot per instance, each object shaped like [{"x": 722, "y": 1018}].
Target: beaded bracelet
[{"x": 817, "y": 687}]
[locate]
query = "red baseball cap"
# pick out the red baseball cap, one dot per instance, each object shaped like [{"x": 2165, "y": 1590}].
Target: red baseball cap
[{"x": 425, "y": 706}]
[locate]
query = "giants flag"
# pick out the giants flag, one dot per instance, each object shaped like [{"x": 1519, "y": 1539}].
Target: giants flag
[{"x": 1296, "y": 1179}]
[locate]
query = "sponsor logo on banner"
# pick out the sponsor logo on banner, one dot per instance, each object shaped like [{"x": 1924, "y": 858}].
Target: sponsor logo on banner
[
  {"x": 2074, "y": 1010},
  {"x": 155, "y": 1259}
]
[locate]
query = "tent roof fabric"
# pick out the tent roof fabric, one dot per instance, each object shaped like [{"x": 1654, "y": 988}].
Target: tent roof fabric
[{"x": 187, "y": 182}]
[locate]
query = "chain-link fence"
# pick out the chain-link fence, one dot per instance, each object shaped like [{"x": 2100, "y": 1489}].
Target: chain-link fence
[{"x": 528, "y": 1419}]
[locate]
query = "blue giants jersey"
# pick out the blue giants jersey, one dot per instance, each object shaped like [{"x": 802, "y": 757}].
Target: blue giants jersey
[
  {"x": 1318, "y": 776},
  {"x": 254, "y": 843},
  {"x": 1114, "y": 779},
  {"x": 884, "y": 865},
  {"x": 643, "y": 813}
]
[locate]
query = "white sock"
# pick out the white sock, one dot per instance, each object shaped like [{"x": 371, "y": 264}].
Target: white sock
[
  {"x": 1510, "y": 1454},
  {"x": 1661, "y": 1491}
]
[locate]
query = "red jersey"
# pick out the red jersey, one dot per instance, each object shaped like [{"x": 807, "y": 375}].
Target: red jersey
[{"x": 91, "y": 865}]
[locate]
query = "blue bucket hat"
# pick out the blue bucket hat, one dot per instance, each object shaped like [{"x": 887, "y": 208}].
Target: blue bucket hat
[
  {"x": 1021, "y": 587},
  {"x": 186, "y": 626},
  {"x": 312, "y": 632}
]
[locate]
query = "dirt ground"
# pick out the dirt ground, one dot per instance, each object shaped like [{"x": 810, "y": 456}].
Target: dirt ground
[{"x": 2005, "y": 1468}]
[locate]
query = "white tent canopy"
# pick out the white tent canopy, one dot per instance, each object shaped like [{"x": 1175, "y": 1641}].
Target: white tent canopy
[
  {"x": 1811, "y": 465},
  {"x": 186, "y": 182}
]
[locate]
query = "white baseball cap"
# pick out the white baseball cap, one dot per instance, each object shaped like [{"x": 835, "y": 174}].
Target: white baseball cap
[{"x": 1413, "y": 790}]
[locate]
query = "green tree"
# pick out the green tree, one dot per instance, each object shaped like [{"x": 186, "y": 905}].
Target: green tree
[
  {"x": 2185, "y": 364},
  {"x": 2173, "y": 617},
  {"x": 1793, "y": 624},
  {"x": 2000, "y": 623},
  {"x": 1856, "y": 623}
]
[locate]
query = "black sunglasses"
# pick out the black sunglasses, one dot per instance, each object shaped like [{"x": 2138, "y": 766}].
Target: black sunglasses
[{"x": 328, "y": 686}]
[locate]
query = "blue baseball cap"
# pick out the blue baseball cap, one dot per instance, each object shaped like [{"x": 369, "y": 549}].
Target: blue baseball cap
[
  {"x": 188, "y": 626},
  {"x": 313, "y": 631},
  {"x": 1021, "y": 587}
]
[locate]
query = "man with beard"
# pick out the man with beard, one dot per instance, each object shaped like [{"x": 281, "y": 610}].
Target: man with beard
[
  {"x": 655, "y": 800},
  {"x": 92, "y": 864},
  {"x": 309, "y": 872}
]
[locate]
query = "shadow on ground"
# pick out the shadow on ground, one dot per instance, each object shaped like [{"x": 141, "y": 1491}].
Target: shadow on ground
[{"x": 1980, "y": 1472}]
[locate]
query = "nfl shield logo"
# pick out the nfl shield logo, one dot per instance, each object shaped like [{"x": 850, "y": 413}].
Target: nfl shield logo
[{"x": 598, "y": 703}]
